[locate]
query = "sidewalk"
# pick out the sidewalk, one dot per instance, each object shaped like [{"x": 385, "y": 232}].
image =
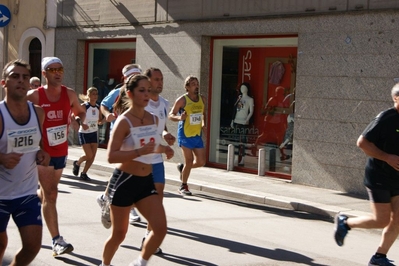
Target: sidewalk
[{"x": 262, "y": 190}]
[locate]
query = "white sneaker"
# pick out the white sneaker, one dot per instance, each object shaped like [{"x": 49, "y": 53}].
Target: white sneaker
[
  {"x": 100, "y": 200},
  {"x": 103, "y": 202},
  {"x": 61, "y": 247},
  {"x": 134, "y": 217}
]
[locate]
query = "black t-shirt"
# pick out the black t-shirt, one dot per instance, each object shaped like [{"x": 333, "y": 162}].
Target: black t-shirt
[{"x": 383, "y": 131}]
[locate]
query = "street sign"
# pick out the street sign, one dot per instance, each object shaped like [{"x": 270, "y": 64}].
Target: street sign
[{"x": 5, "y": 16}]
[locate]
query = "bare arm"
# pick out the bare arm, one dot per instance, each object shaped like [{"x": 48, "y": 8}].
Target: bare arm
[
  {"x": 77, "y": 109},
  {"x": 180, "y": 103},
  {"x": 204, "y": 112},
  {"x": 42, "y": 157},
  {"x": 109, "y": 117},
  {"x": 371, "y": 150},
  {"x": 33, "y": 96}
]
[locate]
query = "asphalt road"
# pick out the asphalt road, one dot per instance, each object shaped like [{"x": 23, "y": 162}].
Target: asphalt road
[{"x": 204, "y": 229}]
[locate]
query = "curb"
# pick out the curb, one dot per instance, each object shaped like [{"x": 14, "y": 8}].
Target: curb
[{"x": 277, "y": 201}]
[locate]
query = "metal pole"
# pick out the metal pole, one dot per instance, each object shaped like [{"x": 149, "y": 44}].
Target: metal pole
[
  {"x": 230, "y": 157},
  {"x": 272, "y": 160},
  {"x": 262, "y": 162}
]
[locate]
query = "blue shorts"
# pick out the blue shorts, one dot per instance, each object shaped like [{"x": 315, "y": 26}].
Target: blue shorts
[
  {"x": 25, "y": 211},
  {"x": 58, "y": 162},
  {"x": 158, "y": 173},
  {"x": 191, "y": 142},
  {"x": 87, "y": 138}
]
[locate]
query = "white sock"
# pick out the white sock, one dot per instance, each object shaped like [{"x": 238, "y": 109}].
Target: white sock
[
  {"x": 141, "y": 261},
  {"x": 102, "y": 264}
]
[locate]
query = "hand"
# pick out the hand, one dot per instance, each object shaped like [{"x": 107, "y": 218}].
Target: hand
[
  {"x": 232, "y": 124},
  {"x": 183, "y": 116},
  {"x": 42, "y": 158},
  {"x": 75, "y": 125},
  {"x": 110, "y": 117},
  {"x": 147, "y": 148},
  {"x": 85, "y": 126},
  {"x": 393, "y": 160},
  {"x": 169, "y": 152},
  {"x": 10, "y": 160},
  {"x": 169, "y": 138}
]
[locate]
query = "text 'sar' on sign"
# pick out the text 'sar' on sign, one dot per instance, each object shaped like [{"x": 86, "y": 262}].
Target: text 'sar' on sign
[{"x": 5, "y": 16}]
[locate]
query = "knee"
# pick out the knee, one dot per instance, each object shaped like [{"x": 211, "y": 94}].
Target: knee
[
  {"x": 50, "y": 195},
  {"x": 188, "y": 164},
  {"x": 33, "y": 248},
  {"x": 383, "y": 222},
  {"x": 199, "y": 162},
  {"x": 119, "y": 235},
  {"x": 160, "y": 230}
]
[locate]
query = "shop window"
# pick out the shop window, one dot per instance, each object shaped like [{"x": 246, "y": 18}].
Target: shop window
[{"x": 253, "y": 91}]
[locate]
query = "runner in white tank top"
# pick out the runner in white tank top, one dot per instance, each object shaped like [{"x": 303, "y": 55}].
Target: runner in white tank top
[{"x": 20, "y": 137}]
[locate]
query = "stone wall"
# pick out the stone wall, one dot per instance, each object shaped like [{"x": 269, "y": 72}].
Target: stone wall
[{"x": 345, "y": 70}]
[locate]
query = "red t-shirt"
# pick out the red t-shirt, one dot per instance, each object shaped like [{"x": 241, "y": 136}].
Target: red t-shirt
[{"x": 56, "y": 123}]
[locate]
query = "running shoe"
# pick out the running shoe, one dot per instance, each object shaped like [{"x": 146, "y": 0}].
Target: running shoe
[
  {"x": 184, "y": 190},
  {"x": 157, "y": 251},
  {"x": 340, "y": 228},
  {"x": 380, "y": 261},
  {"x": 135, "y": 263},
  {"x": 134, "y": 217},
  {"x": 85, "y": 177},
  {"x": 100, "y": 200},
  {"x": 180, "y": 169},
  {"x": 105, "y": 211},
  {"x": 75, "y": 169},
  {"x": 61, "y": 247}
]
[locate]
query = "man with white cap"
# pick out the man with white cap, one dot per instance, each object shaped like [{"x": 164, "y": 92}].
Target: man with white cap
[
  {"x": 108, "y": 102},
  {"x": 58, "y": 102},
  {"x": 107, "y": 110}
]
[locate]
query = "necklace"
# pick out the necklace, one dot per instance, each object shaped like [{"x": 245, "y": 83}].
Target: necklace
[{"x": 141, "y": 119}]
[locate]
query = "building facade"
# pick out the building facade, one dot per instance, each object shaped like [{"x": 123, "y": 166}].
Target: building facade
[{"x": 317, "y": 71}]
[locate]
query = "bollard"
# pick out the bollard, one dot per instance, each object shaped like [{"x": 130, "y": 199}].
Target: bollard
[
  {"x": 272, "y": 160},
  {"x": 230, "y": 157},
  {"x": 261, "y": 162}
]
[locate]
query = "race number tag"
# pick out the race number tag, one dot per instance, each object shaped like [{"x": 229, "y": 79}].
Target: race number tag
[
  {"x": 57, "y": 135},
  {"x": 93, "y": 125},
  {"x": 23, "y": 140},
  {"x": 195, "y": 119},
  {"x": 145, "y": 134}
]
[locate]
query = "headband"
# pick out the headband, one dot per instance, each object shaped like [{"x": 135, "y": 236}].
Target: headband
[{"x": 132, "y": 71}]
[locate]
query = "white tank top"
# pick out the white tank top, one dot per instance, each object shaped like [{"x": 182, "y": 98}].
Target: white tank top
[
  {"x": 92, "y": 114},
  {"x": 25, "y": 138},
  {"x": 138, "y": 137},
  {"x": 159, "y": 108}
]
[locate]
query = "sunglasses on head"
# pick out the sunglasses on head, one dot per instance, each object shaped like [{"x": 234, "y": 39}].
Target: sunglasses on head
[{"x": 54, "y": 70}]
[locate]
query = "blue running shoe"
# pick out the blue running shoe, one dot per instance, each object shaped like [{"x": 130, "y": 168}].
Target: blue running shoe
[
  {"x": 380, "y": 261},
  {"x": 340, "y": 229}
]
